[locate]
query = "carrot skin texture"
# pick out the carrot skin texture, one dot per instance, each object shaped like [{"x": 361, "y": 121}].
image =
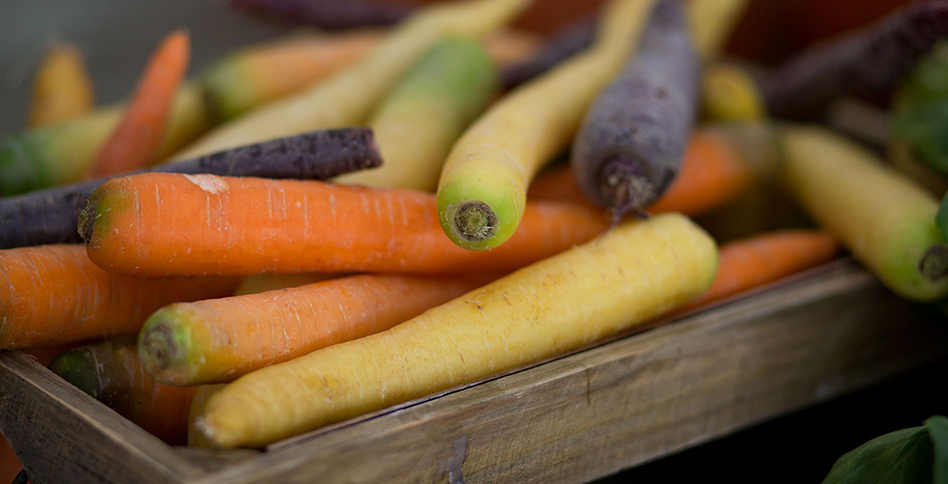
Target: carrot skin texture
[
  {"x": 762, "y": 259},
  {"x": 111, "y": 373},
  {"x": 218, "y": 340},
  {"x": 54, "y": 294},
  {"x": 328, "y": 14},
  {"x": 631, "y": 143},
  {"x": 50, "y": 216},
  {"x": 881, "y": 216},
  {"x": 635, "y": 272},
  {"x": 245, "y": 226},
  {"x": 135, "y": 142},
  {"x": 864, "y": 62},
  {"x": 62, "y": 89}
]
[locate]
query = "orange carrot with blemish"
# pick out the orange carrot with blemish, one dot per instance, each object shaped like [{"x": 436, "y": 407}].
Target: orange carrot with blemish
[
  {"x": 218, "y": 340},
  {"x": 136, "y": 140},
  {"x": 765, "y": 258},
  {"x": 54, "y": 294},
  {"x": 712, "y": 173},
  {"x": 62, "y": 89},
  {"x": 163, "y": 225}
]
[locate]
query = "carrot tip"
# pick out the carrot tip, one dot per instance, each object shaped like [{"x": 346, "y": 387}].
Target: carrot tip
[
  {"x": 474, "y": 221},
  {"x": 934, "y": 264},
  {"x": 159, "y": 348},
  {"x": 87, "y": 220},
  {"x": 625, "y": 186}
]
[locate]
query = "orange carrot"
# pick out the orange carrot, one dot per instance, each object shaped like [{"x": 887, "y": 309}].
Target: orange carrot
[
  {"x": 54, "y": 294},
  {"x": 218, "y": 340},
  {"x": 136, "y": 140},
  {"x": 163, "y": 225},
  {"x": 111, "y": 372},
  {"x": 62, "y": 89},
  {"x": 712, "y": 173},
  {"x": 746, "y": 264}
]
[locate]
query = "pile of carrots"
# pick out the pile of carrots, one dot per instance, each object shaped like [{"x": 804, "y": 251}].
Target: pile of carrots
[{"x": 251, "y": 309}]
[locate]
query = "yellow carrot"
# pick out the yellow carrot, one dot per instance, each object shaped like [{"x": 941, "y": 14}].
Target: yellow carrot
[
  {"x": 712, "y": 22},
  {"x": 63, "y": 89},
  {"x": 347, "y": 98},
  {"x": 483, "y": 186},
  {"x": 632, "y": 274}
]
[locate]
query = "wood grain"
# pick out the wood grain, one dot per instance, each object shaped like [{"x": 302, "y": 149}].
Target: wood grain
[
  {"x": 65, "y": 436},
  {"x": 571, "y": 419}
]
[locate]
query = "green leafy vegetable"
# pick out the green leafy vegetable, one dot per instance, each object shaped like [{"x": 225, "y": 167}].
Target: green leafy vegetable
[
  {"x": 903, "y": 456},
  {"x": 938, "y": 431},
  {"x": 910, "y": 456},
  {"x": 923, "y": 127}
]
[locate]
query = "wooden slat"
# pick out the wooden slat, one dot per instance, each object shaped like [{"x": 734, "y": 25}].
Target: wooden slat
[
  {"x": 595, "y": 412},
  {"x": 65, "y": 436}
]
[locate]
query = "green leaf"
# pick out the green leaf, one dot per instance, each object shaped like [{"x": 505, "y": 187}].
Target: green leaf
[
  {"x": 937, "y": 427},
  {"x": 927, "y": 81},
  {"x": 901, "y": 457}
]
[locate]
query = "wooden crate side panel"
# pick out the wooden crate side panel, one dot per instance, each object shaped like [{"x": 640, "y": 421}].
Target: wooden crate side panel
[
  {"x": 65, "y": 436},
  {"x": 590, "y": 414}
]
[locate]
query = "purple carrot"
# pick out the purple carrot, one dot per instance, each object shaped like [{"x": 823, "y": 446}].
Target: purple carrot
[
  {"x": 574, "y": 38},
  {"x": 328, "y": 14},
  {"x": 632, "y": 141},
  {"x": 51, "y": 216},
  {"x": 867, "y": 61}
]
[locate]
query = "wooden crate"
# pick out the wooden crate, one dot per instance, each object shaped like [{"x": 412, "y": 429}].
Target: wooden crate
[{"x": 571, "y": 419}]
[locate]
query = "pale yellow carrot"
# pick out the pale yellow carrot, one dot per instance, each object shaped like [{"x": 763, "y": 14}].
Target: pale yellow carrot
[
  {"x": 634, "y": 273},
  {"x": 712, "y": 22},
  {"x": 62, "y": 89}
]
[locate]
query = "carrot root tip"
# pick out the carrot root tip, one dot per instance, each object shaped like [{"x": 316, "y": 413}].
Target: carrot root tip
[
  {"x": 87, "y": 220},
  {"x": 474, "y": 221},
  {"x": 625, "y": 187},
  {"x": 159, "y": 348},
  {"x": 934, "y": 264}
]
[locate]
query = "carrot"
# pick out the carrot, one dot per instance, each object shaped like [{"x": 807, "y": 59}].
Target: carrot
[
  {"x": 328, "y": 14},
  {"x": 111, "y": 373},
  {"x": 54, "y": 294},
  {"x": 260, "y": 74},
  {"x": 719, "y": 164},
  {"x": 631, "y": 142},
  {"x": 348, "y": 97},
  {"x": 158, "y": 224},
  {"x": 50, "y": 216},
  {"x": 424, "y": 114},
  {"x": 195, "y": 439},
  {"x": 712, "y": 22},
  {"x": 865, "y": 62},
  {"x": 762, "y": 259},
  {"x": 635, "y": 272},
  {"x": 483, "y": 186},
  {"x": 62, "y": 89},
  {"x": 882, "y": 217},
  {"x": 134, "y": 144},
  {"x": 219, "y": 340},
  {"x": 730, "y": 94}
]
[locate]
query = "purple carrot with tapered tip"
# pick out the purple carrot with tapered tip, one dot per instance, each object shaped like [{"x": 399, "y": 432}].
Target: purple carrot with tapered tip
[
  {"x": 632, "y": 141},
  {"x": 571, "y": 40},
  {"x": 868, "y": 61}
]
